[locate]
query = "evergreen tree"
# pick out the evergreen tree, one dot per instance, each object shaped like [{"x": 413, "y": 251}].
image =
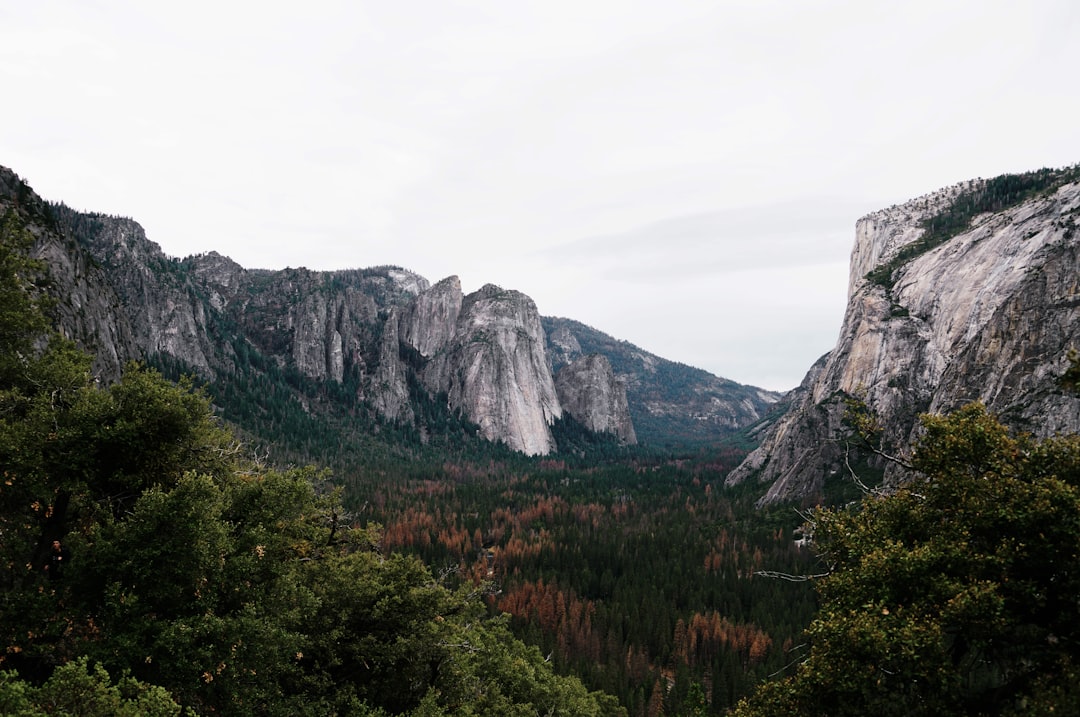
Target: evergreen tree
[{"x": 957, "y": 594}]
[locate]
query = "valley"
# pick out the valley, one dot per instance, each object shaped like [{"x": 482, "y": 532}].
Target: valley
[{"x": 358, "y": 492}]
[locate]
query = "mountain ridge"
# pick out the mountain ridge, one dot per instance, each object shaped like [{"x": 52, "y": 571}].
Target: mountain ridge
[{"x": 379, "y": 334}]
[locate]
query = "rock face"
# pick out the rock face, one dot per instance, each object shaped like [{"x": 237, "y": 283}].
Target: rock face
[
  {"x": 167, "y": 317},
  {"x": 390, "y": 389},
  {"x": 431, "y": 321},
  {"x": 589, "y": 391},
  {"x": 86, "y": 304},
  {"x": 988, "y": 315},
  {"x": 495, "y": 370}
]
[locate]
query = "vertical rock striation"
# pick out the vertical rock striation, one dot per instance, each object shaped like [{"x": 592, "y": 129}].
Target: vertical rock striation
[
  {"x": 389, "y": 389},
  {"x": 431, "y": 320},
  {"x": 589, "y": 391}
]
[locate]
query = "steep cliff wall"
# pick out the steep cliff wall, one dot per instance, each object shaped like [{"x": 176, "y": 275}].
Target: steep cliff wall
[
  {"x": 496, "y": 371},
  {"x": 988, "y": 314},
  {"x": 589, "y": 391},
  {"x": 431, "y": 320},
  {"x": 326, "y": 324},
  {"x": 85, "y": 308},
  {"x": 166, "y": 312},
  {"x": 389, "y": 391}
]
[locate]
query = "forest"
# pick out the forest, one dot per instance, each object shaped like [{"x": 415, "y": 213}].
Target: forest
[{"x": 638, "y": 576}]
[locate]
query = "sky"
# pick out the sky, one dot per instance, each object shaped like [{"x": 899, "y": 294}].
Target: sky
[{"x": 685, "y": 175}]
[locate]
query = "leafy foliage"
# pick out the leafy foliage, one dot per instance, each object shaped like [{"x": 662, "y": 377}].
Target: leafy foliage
[
  {"x": 77, "y": 688},
  {"x": 954, "y": 596}
]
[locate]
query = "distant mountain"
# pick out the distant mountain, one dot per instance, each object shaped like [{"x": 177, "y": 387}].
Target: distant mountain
[
  {"x": 670, "y": 403},
  {"x": 365, "y": 350},
  {"x": 966, "y": 294}
]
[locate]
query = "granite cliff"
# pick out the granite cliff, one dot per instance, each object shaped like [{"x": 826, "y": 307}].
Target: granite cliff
[
  {"x": 86, "y": 306},
  {"x": 494, "y": 368},
  {"x": 967, "y": 294},
  {"x": 590, "y": 392}
]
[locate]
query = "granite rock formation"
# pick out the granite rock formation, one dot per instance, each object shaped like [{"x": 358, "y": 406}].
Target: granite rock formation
[
  {"x": 495, "y": 369},
  {"x": 988, "y": 314},
  {"x": 589, "y": 391}
]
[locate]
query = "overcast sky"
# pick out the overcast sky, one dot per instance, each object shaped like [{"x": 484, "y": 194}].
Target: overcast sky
[{"x": 682, "y": 174}]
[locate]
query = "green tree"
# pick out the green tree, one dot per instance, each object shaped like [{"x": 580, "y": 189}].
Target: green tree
[
  {"x": 78, "y": 688},
  {"x": 954, "y": 596}
]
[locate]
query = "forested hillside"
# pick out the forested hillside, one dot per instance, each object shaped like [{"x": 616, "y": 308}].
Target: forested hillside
[
  {"x": 149, "y": 564},
  {"x": 672, "y": 405}
]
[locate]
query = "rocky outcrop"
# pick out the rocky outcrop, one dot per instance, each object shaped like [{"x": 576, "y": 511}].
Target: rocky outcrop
[
  {"x": 389, "y": 391},
  {"x": 987, "y": 315},
  {"x": 316, "y": 346},
  {"x": 563, "y": 346},
  {"x": 495, "y": 370},
  {"x": 222, "y": 277},
  {"x": 85, "y": 304},
  {"x": 86, "y": 309},
  {"x": 431, "y": 320},
  {"x": 588, "y": 391},
  {"x": 167, "y": 315}
]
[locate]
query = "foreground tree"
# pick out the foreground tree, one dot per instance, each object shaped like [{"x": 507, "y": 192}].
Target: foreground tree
[
  {"x": 957, "y": 595},
  {"x": 79, "y": 689}
]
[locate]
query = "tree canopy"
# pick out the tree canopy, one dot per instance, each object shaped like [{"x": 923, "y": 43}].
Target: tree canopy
[{"x": 957, "y": 594}]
